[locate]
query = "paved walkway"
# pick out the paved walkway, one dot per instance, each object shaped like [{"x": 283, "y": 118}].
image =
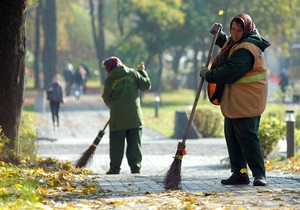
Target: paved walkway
[{"x": 201, "y": 168}]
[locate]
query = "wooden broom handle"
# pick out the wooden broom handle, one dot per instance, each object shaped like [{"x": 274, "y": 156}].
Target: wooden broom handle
[{"x": 187, "y": 130}]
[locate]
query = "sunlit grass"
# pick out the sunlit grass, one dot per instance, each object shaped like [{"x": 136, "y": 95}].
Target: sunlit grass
[
  {"x": 170, "y": 102},
  {"x": 17, "y": 187}
]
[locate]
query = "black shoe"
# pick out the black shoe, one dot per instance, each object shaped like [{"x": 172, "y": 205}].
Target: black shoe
[
  {"x": 235, "y": 179},
  {"x": 259, "y": 181},
  {"x": 113, "y": 172},
  {"x": 135, "y": 172}
]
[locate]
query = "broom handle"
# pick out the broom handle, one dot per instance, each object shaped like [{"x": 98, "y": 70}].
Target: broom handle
[
  {"x": 105, "y": 125},
  {"x": 187, "y": 130}
]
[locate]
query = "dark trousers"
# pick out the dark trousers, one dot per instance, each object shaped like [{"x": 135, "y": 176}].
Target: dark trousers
[
  {"x": 243, "y": 145},
  {"x": 68, "y": 88},
  {"x": 54, "y": 106},
  {"x": 133, "y": 149}
]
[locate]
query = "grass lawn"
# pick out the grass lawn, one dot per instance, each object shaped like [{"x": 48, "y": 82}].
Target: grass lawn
[{"x": 170, "y": 102}]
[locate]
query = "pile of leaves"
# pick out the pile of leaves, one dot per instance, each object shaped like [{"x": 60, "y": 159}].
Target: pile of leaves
[
  {"x": 43, "y": 183},
  {"x": 285, "y": 165}
]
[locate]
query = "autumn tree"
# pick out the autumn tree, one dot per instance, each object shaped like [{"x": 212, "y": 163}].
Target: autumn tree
[{"x": 12, "y": 69}]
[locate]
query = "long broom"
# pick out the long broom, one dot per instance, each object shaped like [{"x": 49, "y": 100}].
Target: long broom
[
  {"x": 87, "y": 155},
  {"x": 172, "y": 180}
]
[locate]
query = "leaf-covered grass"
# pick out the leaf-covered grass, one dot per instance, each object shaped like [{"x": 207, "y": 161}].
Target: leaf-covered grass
[
  {"x": 35, "y": 184},
  {"x": 18, "y": 187}
]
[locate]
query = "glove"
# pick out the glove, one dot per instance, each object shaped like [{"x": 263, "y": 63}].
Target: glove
[
  {"x": 215, "y": 27},
  {"x": 203, "y": 71}
]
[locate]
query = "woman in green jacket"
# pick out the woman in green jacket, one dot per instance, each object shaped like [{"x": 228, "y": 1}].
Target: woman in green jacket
[
  {"x": 241, "y": 74},
  {"x": 121, "y": 95}
]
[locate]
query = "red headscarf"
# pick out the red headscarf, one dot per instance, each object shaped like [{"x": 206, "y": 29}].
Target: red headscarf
[
  {"x": 247, "y": 22},
  {"x": 111, "y": 63}
]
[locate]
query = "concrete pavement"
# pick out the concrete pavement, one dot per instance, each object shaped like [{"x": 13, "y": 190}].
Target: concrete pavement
[{"x": 202, "y": 169}]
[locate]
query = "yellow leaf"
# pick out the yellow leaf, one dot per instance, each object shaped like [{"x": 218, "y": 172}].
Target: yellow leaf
[
  {"x": 18, "y": 186},
  {"x": 244, "y": 171},
  {"x": 3, "y": 191},
  {"x": 3, "y": 163},
  {"x": 70, "y": 205},
  {"x": 221, "y": 12},
  {"x": 192, "y": 200},
  {"x": 117, "y": 203},
  {"x": 42, "y": 191},
  {"x": 55, "y": 182},
  {"x": 39, "y": 170},
  {"x": 188, "y": 206}
]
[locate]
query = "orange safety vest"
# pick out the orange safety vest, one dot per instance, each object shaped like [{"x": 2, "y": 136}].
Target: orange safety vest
[{"x": 246, "y": 97}]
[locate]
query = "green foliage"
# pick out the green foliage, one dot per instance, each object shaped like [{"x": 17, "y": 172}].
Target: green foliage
[
  {"x": 3, "y": 140},
  {"x": 131, "y": 50},
  {"x": 297, "y": 120},
  {"x": 27, "y": 136},
  {"x": 209, "y": 121},
  {"x": 272, "y": 128}
]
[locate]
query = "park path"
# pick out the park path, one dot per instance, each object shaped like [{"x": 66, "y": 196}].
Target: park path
[{"x": 202, "y": 169}]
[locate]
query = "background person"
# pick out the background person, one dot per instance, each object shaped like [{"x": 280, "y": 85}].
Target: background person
[
  {"x": 79, "y": 77},
  {"x": 122, "y": 97},
  {"x": 87, "y": 75},
  {"x": 55, "y": 97},
  {"x": 240, "y": 68},
  {"x": 68, "y": 76}
]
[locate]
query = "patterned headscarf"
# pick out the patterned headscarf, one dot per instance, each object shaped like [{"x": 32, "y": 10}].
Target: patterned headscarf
[
  {"x": 111, "y": 63},
  {"x": 248, "y": 24}
]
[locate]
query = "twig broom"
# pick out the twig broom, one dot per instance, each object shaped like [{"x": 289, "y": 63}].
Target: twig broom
[
  {"x": 172, "y": 180},
  {"x": 87, "y": 155}
]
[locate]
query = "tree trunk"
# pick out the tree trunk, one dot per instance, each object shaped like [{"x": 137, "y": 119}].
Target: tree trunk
[
  {"x": 120, "y": 18},
  {"x": 49, "y": 27},
  {"x": 99, "y": 40},
  {"x": 12, "y": 69},
  {"x": 175, "y": 63},
  {"x": 36, "y": 67},
  {"x": 159, "y": 74},
  {"x": 101, "y": 55}
]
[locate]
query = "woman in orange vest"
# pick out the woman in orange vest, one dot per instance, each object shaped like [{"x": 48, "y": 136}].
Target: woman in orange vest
[{"x": 240, "y": 73}]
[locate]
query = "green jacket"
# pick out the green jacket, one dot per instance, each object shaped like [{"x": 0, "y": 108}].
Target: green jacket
[{"x": 121, "y": 95}]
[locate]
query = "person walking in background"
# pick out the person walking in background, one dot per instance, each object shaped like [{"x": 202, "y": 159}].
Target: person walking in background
[
  {"x": 55, "y": 97},
  {"x": 68, "y": 76},
  {"x": 240, "y": 70},
  {"x": 284, "y": 82},
  {"x": 87, "y": 75},
  {"x": 79, "y": 78},
  {"x": 121, "y": 95}
]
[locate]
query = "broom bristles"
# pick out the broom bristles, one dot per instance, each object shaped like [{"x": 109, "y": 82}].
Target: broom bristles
[
  {"x": 173, "y": 177},
  {"x": 86, "y": 156}
]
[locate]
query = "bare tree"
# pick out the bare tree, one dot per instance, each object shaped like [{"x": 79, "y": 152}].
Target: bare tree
[
  {"x": 36, "y": 65},
  {"x": 50, "y": 37},
  {"x": 12, "y": 69},
  {"x": 99, "y": 37}
]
